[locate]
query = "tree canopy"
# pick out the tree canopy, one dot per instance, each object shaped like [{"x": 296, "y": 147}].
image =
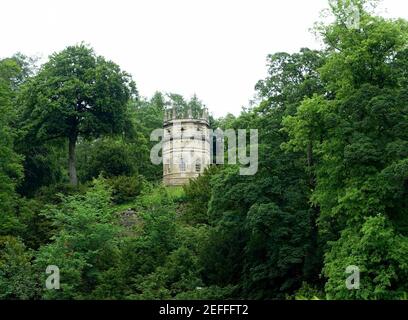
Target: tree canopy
[{"x": 76, "y": 94}]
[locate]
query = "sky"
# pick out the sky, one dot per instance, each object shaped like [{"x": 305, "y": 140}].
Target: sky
[{"x": 215, "y": 49}]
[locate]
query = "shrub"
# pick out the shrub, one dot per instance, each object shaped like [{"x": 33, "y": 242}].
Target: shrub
[
  {"x": 125, "y": 189},
  {"x": 52, "y": 193},
  {"x": 108, "y": 157}
]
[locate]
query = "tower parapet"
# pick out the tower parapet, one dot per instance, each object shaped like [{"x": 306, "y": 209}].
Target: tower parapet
[{"x": 172, "y": 114}]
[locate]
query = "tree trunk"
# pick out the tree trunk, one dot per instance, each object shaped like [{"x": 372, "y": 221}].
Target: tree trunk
[{"x": 73, "y": 179}]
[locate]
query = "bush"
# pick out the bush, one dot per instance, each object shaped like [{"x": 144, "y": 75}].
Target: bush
[
  {"x": 107, "y": 157},
  {"x": 17, "y": 277},
  {"x": 37, "y": 229},
  {"x": 125, "y": 189},
  {"x": 52, "y": 193}
]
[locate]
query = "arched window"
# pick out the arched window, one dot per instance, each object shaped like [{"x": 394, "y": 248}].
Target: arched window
[{"x": 198, "y": 166}]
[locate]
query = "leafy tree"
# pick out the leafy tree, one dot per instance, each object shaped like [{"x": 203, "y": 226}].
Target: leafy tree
[
  {"x": 40, "y": 161},
  {"x": 146, "y": 116},
  {"x": 76, "y": 94},
  {"x": 10, "y": 161},
  {"x": 183, "y": 106}
]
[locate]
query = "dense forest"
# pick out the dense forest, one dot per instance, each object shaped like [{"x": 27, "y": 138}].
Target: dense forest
[{"x": 78, "y": 189}]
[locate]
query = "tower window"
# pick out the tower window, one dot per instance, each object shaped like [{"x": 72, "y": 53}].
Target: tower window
[
  {"x": 198, "y": 167},
  {"x": 182, "y": 165},
  {"x": 167, "y": 168}
]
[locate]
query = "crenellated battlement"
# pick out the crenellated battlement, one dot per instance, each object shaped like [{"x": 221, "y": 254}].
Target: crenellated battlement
[{"x": 172, "y": 114}]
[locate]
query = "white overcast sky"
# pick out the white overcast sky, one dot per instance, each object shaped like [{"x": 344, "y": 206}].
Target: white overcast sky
[{"x": 214, "y": 48}]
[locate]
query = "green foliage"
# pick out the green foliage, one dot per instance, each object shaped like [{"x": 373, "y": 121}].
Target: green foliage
[
  {"x": 277, "y": 247},
  {"x": 108, "y": 157},
  {"x": 264, "y": 242},
  {"x": 76, "y": 94},
  {"x": 10, "y": 161},
  {"x": 208, "y": 293},
  {"x": 18, "y": 279},
  {"x": 379, "y": 252},
  {"x": 85, "y": 245},
  {"x": 358, "y": 132},
  {"x": 51, "y": 194},
  {"x": 197, "y": 196},
  {"x": 307, "y": 292},
  {"x": 37, "y": 229},
  {"x": 154, "y": 238},
  {"x": 44, "y": 165},
  {"x": 291, "y": 77},
  {"x": 182, "y": 105},
  {"x": 125, "y": 189}
]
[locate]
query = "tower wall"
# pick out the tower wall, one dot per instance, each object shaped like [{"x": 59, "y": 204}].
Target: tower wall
[{"x": 186, "y": 149}]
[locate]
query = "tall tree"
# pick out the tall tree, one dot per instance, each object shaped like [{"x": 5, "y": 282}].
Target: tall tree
[
  {"x": 10, "y": 162},
  {"x": 76, "y": 94}
]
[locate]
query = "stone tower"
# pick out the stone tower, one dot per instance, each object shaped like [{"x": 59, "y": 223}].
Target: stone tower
[{"x": 186, "y": 146}]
